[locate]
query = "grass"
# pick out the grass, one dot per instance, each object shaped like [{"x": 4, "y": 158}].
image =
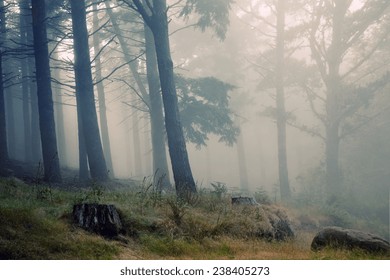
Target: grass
[{"x": 35, "y": 224}]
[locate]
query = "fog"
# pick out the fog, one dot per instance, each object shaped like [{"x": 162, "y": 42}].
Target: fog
[{"x": 333, "y": 98}]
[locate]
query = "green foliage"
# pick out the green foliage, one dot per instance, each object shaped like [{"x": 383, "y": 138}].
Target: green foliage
[
  {"x": 213, "y": 14},
  {"x": 204, "y": 109}
]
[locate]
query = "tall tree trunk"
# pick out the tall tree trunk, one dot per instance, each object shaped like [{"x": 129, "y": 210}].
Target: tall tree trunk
[
  {"x": 35, "y": 135},
  {"x": 137, "y": 143},
  {"x": 23, "y": 24},
  {"x": 285, "y": 191},
  {"x": 45, "y": 101},
  {"x": 147, "y": 141},
  {"x": 83, "y": 158},
  {"x": 36, "y": 147},
  {"x": 158, "y": 23},
  {"x": 84, "y": 89},
  {"x": 242, "y": 169},
  {"x": 10, "y": 113},
  {"x": 101, "y": 95},
  {"x": 3, "y": 128},
  {"x": 333, "y": 85},
  {"x": 59, "y": 114},
  {"x": 160, "y": 164}
]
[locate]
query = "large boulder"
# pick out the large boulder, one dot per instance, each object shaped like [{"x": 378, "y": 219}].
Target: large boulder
[
  {"x": 338, "y": 237},
  {"x": 262, "y": 221},
  {"x": 102, "y": 219},
  {"x": 277, "y": 226}
]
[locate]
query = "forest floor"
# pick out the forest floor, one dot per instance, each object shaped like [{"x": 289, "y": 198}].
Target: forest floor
[{"x": 36, "y": 223}]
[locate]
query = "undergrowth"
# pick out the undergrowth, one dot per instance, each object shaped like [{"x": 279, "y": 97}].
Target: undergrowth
[{"x": 36, "y": 224}]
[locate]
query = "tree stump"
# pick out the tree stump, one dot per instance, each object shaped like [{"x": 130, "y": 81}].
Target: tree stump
[
  {"x": 102, "y": 219},
  {"x": 244, "y": 200}
]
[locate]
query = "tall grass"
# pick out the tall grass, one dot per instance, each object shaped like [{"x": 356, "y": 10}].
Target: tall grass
[{"x": 36, "y": 224}]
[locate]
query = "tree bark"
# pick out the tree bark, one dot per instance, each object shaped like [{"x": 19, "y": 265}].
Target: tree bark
[
  {"x": 36, "y": 146},
  {"x": 83, "y": 158},
  {"x": 158, "y": 23},
  {"x": 84, "y": 89},
  {"x": 242, "y": 169},
  {"x": 160, "y": 164},
  {"x": 59, "y": 114},
  {"x": 23, "y": 24},
  {"x": 136, "y": 143},
  {"x": 35, "y": 135},
  {"x": 285, "y": 191},
  {"x": 101, "y": 95},
  {"x": 45, "y": 101},
  {"x": 10, "y": 118},
  {"x": 3, "y": 128}
]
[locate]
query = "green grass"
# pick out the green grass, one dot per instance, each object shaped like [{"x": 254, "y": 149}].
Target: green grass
[{"x": 35, "y": 224}]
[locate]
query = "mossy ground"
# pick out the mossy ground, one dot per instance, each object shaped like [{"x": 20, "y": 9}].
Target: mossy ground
[{"x": 35, "y": 224}]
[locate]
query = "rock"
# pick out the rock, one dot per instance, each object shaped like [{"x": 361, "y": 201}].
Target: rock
[
  {"x": 102, "y": 219},
  {"x": 279, "y": 228},
  {"x": 338, "y": 237},
  {"x": 244, "y": 200}
]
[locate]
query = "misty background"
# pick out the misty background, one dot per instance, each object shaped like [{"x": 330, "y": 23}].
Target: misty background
[{"x": 335, "y": 58}]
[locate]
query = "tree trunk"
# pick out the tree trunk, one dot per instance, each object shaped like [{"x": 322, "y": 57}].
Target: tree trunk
[
  {"x": 184, "y": 181},
  {"x": 101, "y": 95},
  {"x": 36, "y": 146},
  {"x": 10, "y": 113},
  {"x": 84, "y": 89},
  {"x": 333, "y": 175},
  {"x": 23, "y": 24},
  {"x": 45, "y": 101},
  {"x": 242, "y": 169},
  {"x": 83, "y": 158},
  {"x": 333, "y": 86},
  {"x": 59, "y": 114},
  {"x": 285, "y": 191},
  {"x": 3, "y": 128},
  {"x": 160, "y": 164},
  {"x": 136, "y": 143},
  {"x": 35, "y": 135}
]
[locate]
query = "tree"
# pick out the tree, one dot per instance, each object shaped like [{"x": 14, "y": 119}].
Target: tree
[
  {"x": 101, "y": 93},
  {"x": 160, "y": 164},
  {"x": 205, "y": 109},
  {"x": 23, "y": 27},
  {"x": 158, "y": 23},
  {"x": 3, "y": 130},
  {"x": 45, "y": 101},
  {"x": 275, "y": 79},
  {"x": 335, "y": 32},
  {"x": 285, "y": 191},
  {"x": 155, "y": 16},
  {"x": 132, "y": 64},
  {"x": 85, "y": 93}
]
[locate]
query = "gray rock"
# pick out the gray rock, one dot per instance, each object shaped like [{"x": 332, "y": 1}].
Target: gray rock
[
  {"x": 102, "y": 219},
  {"x": 279, "y": 227},
  {"x": 338, "y": 237}
]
